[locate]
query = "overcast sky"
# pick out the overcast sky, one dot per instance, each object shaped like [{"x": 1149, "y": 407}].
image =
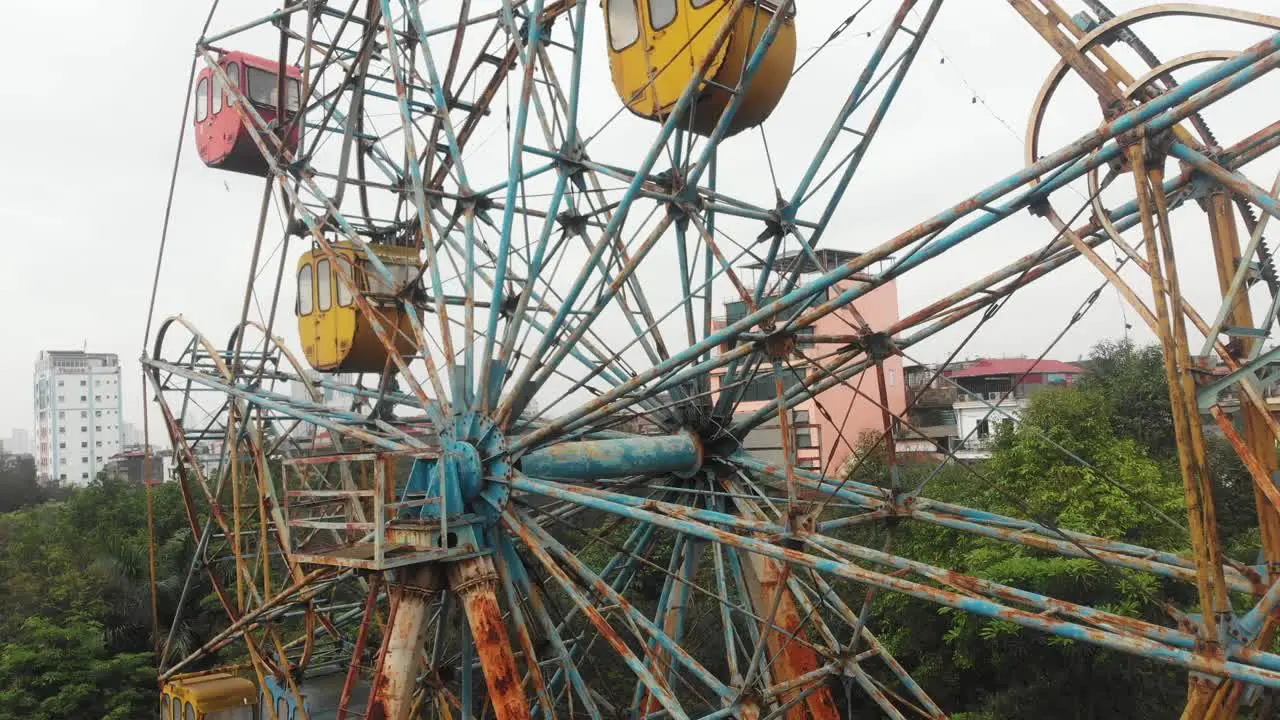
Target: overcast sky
[{"x": 95, "y": 95}]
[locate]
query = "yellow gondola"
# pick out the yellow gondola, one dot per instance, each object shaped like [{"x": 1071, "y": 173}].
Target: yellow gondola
[
  {"x": 210, "y": 695},
  {"x": 335, "y": 334},
  {"x": 655, "y": 46}
]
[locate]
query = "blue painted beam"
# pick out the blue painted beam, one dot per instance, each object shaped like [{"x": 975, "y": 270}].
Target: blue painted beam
[
  {"x": 616, "y": 458},
  {"x": 1254, "y": 666},
  {"x": 1207, "y": 395}
]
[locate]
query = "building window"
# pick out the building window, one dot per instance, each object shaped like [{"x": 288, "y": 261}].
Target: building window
[
  {"x": 984, "y": 430},
  {"x": 62, "y": 476},
  {"x": 61, "y": 398},
  {"x": 83, "y": 414},
  {"x": 804, "y": 438},
  {"x": 98, "y": 444},
  {"x": 97, "y": 428},
  {"x": 61, "y": 415},
  {"x": 763, "y": 387},
  {"x": 84, "y": 476},
  {"x": 59, "y": 383},
  {"x": 97, "y": 398},
  {"x": 84, "y": 398},
  {"x": 82, "y": 383},
  {"x": 97, "y": 413},
  {"x": 62, "y": 446},
  {"x": 84, "y": 444},
  {"x": 61, "y": 429}
]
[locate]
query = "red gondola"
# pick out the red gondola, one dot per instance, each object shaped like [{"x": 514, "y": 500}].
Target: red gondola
[{"x": 221, "y": 137}]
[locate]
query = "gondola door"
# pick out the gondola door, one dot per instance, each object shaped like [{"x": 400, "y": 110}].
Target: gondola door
[
  {"x": 327, "y": 351},
  {"x": 308, "y": 316}
]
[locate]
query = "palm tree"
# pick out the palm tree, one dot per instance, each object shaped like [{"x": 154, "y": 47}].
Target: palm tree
[{"x": 185, "y": 622}]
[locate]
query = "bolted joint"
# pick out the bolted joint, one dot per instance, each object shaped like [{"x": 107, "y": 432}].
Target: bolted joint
[
  {"x": 1040, "y": 207},
  {"x": 570, "y": 160},
  {"x": 777, "y": 226},
  {"x": 670, "y": 181},
  {"x": 573, "y": 222},
  {"x": 510, "y": 302},
  {"x": 385, "y": 234},
  {"x": 879, "y": 346},
  {"x": 1113, "y": 109},
  {"x": 1159, "y": 145},
  {"x": 1203, "y": 682},
  {"x": 680, "y": 212},
  {"x": 791, "y": 542},
  {"x": 475, "y": 203},
  {"x": 477, "y": 575},
  {"x": 778, "y": 346},
  {"x": 426, "y": 595},
  {"x": 465, "y": 585}
]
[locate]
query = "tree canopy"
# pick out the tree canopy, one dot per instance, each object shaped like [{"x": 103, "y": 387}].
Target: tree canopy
[
  {"x": 75, "y": 601},
  {"x": 1096, "y": 457}
]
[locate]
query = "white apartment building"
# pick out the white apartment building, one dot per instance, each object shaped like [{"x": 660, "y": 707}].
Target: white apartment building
[{"x": 78, "y": 414}]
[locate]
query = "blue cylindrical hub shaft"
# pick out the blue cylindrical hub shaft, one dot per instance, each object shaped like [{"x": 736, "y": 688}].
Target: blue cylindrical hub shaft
[{"x": 616, "y": 458}]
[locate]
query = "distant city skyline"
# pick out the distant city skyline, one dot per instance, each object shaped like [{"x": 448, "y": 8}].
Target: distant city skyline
[{"x": 18, "y": 442}]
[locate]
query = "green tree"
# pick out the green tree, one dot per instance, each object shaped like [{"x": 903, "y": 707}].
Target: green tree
[
  {"x": 18, "y": 487},
  {"x": 1131, "y": 380},
  {"x": 75, "y": 601},
  {"x": 54, "y": 669},
  {"x": 1064, "y": 465}
]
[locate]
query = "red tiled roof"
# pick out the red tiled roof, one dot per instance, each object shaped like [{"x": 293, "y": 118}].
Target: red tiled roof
[{"x": 1013, "y": 366}]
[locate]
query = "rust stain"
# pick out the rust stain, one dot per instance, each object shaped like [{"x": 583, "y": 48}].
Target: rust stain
[
  {"x": 475, "y": 581},
  {"x": 791, "y": 654}
]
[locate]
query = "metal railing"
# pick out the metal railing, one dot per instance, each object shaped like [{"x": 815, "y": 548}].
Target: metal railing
[{"x": 350, "y": 501}]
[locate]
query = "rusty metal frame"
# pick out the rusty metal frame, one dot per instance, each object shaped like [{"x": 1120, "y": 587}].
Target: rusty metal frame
[{"x": 768, "y": 553}]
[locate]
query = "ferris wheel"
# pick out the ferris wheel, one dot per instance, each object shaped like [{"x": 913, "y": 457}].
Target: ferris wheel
[{"x": 495, "y": 442}]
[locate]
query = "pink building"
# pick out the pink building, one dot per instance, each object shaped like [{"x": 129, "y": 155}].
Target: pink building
[{"x": 825, "y": 428}]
